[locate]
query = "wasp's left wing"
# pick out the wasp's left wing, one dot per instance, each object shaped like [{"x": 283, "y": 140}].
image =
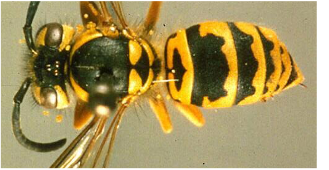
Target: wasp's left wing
[
  {"x": 82, "y": 149},
  {"x": 79, "y": 149}
]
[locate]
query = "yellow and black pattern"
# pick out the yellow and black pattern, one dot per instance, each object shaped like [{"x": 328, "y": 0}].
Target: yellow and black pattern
[
  {"x": 220, "y": 64},
  {"x": 129, "y": 63}
]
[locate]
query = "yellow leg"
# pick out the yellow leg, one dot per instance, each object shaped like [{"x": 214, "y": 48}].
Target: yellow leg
[
  {"x": 159, "y": 108},
  {"x": 192, "y": 113},
  {"x": 89, "y": 12},
  {"x": 152, "y": 17},
  {"x": 82, "y": 115}
]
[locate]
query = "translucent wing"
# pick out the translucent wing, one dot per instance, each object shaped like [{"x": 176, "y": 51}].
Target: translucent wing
[
  {"x": 117, "y": 7},
  {"x": 73, "y": 154},
  {"x": 85, "y": 149}
]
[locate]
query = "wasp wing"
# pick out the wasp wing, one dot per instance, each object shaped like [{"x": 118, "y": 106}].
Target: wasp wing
[{"x": 74, "y": 153}]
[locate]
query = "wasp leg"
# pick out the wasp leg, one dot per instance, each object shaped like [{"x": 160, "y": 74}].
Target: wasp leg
[
  {"x": 151, "y": 18},
  {"x": 21, "y": 138},
  {"x": 192, "y": 113},
  {"x": 28, "y": 28},
  {"x": 82, "y": 115},
  {"x": 90, "y": 12},
  {"x": 159, "y": 108}
]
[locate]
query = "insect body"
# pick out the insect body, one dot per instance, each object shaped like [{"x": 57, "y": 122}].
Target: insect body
[
  {"x": 221, "y": 64},
  {"x": 109, "y": 65}
]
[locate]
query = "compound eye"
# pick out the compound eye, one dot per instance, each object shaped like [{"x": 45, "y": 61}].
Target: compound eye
[
  {"x": 54, "y": 35},
  {"x": 48, "y": 98}
]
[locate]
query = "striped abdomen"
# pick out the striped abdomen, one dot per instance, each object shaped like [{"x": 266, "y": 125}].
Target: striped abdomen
[{"x": 220, "y": 64}]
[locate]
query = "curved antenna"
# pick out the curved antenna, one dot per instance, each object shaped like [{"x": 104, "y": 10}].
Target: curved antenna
[{"x": 16, "y": 124}]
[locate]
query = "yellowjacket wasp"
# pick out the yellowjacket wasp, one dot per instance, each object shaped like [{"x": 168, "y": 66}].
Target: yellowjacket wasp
[{"x": 65, "y": 54}]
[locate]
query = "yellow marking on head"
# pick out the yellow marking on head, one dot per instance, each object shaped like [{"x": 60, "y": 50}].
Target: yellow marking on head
[
  {"x": 180, "y": 43},
  {"x": 258, "y": 81},
  {"x": 67, "y": 36},
  {"x": 62, "y": 99},
  {"x": 36, "y": 90},
  {"x": 40, "y": 39},
  {"x": 221, "y": 29},
  {"x": 135, "y": 52}
]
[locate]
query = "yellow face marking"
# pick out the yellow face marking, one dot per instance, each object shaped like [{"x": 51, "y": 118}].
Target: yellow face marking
[
  {"x": 180, "y": 43},
  {"x": 220, "y": 29},
  {"x": 258, "y": 51},
  {"x": 81, "y": 93},
  {"x": 160, "y": 110},
  {"x": 36, "y": 93},
  {"x": 67, "y": 36},
  {"x": 62, "y": 99},
  {"x": 135, "y": 82},
  {"x": 192, "y": 113},
  {"x": 40, "y": 40},
  {"x": 287, "y": 68},
  {"x": 135, "y": 52}
]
